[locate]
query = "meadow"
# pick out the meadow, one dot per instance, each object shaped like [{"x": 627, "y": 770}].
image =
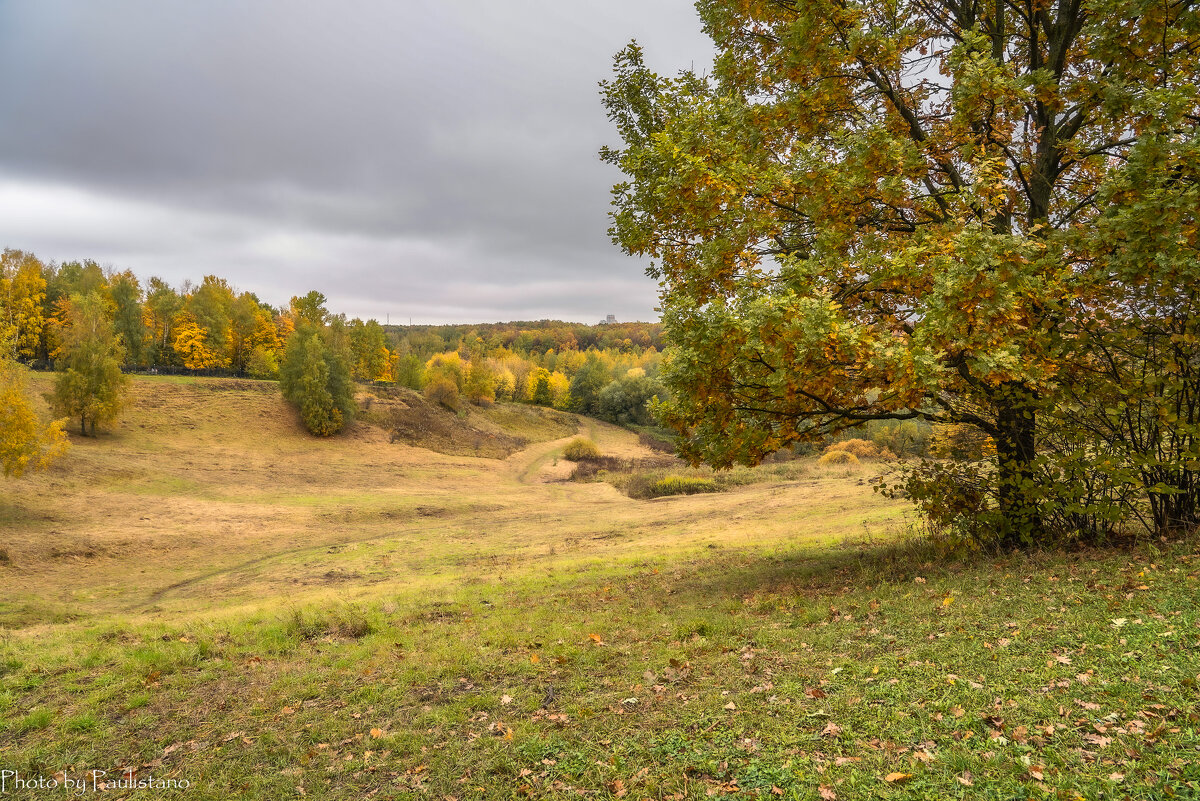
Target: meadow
[{"x": 208, "y": 594}]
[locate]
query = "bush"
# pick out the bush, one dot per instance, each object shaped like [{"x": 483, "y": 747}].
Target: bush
[
  {"x": 443, "y": 392},
  {"x": 682, "y": 485},
  {"x": 838, "y": 457},
  {"x": 581, "y": 450},
  {"x": 902, "y": 437},
  {"x": 656, "y": 485},
  {"x": 860, "y": 448}
]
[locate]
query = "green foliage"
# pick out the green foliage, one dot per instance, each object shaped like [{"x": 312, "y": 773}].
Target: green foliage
[
  {"x": 841, "y": 239},
  {"x": 126, "y": 294},
  {"x": 309, "y": 310},
  {"x": 90, "y": 387},
  {"x": 587, "y": 385},
  {"x": 262, "y": 364},
  {"x": 648, "y": 487},
  {"x": 902, "y": 437},
  {"x": 626, "y": 401},
  {"x": 540, "y": 393},
  {"x": 316, "y": 378},
  {"x": 368, "y": 350},
  {"x": 581, "y": 450},
  {"x": 960, "y": 442}
]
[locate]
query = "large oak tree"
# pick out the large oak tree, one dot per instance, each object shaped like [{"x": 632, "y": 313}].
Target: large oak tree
[{"x": 895, "y": 208}]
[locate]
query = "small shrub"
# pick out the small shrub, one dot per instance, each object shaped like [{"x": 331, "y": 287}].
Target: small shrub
[
  {"x": 443, "y": 392},
  {"x": 581, "y": 450},
  {"x": 683, "y": 485},
  {"x": 838, "y": 457},
  {"x": 859, "y": 448},
  {"x": 649, "y": 485}
]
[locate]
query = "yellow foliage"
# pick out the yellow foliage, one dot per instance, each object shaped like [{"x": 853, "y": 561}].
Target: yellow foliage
[
  {"x": 25, "y": 442},
  {"x": 191, "y": 345},
  {"x": 859, "y": 448},
  {"x": 22, "y": 292}
]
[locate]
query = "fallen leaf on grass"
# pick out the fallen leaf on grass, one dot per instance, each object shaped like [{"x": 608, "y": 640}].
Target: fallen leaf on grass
[
  {"x": 831, "y": 730},
  {"x": 827, "y": 793},
  {"x": 897, "y": 778},
  {"x": 376, "y": 733},
  {"x": 505, "y": 700},
  {"x": 596, "y": 638}
]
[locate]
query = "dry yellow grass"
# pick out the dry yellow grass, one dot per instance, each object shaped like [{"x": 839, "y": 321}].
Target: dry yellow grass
[{"x": 209, "y": 495}]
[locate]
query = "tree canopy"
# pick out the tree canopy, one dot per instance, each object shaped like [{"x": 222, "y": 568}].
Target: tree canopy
[
  {"x": 26, "y": 442},
  {"x": 90, "y": 386},
  {"x": 903, "y": 209}
]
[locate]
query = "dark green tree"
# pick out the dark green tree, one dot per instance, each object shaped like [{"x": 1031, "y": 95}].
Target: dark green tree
[
  {"x": 128, "y": 321},
  {"x": 315, "y": 377},
  {"x": 587, "y": 383}
]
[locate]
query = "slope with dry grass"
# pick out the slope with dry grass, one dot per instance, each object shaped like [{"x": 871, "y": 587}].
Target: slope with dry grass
[{"x": 210, "y": 595}]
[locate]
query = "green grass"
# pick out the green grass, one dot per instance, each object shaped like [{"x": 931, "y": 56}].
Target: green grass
[
  {"x": 358, "y": 619},
  {"x": 789, "y": 668}
]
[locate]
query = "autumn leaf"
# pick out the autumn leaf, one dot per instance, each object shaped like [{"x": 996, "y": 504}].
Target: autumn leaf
[
  {"x": 826, "y": 792},
  {"x": 897, "y": 778},
  {"x": 376, "y": 733},
  {"x": 596, "y": 639}
]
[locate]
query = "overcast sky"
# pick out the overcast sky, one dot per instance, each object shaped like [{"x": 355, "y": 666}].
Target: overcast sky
[{"x": 432, "y": 159}]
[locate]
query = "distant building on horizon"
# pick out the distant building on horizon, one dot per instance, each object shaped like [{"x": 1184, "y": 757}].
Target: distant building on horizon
[{"x": 609, "y": 320}]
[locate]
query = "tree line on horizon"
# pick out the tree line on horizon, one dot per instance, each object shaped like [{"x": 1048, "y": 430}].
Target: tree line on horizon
[{"x": 91, "y": 324}]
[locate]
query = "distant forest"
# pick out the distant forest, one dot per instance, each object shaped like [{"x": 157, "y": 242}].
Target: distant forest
[{"x": 606, "y": 370}]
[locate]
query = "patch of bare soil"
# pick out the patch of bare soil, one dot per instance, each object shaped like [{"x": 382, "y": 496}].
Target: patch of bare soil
[{"x": 409, "y": 418}]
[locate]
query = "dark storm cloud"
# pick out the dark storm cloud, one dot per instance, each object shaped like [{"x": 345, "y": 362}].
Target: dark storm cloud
[{"x": 432, "y": 159}]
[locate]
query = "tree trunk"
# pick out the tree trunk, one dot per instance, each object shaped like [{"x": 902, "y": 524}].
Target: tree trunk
[
  {"x": 82, "y": 425},
  {"x": 1016, "y": 448}
]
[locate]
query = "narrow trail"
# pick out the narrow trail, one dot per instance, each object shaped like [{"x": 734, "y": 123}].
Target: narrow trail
[
  {"x": 524, "y": 464},
  {"x": 519, "y": 469}
]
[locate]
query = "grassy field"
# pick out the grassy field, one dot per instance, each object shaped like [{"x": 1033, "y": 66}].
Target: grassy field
[{"x": 208, "y": 595}]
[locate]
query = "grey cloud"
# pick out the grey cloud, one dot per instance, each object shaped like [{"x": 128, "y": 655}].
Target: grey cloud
[{"x": 387, "y": 141}]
